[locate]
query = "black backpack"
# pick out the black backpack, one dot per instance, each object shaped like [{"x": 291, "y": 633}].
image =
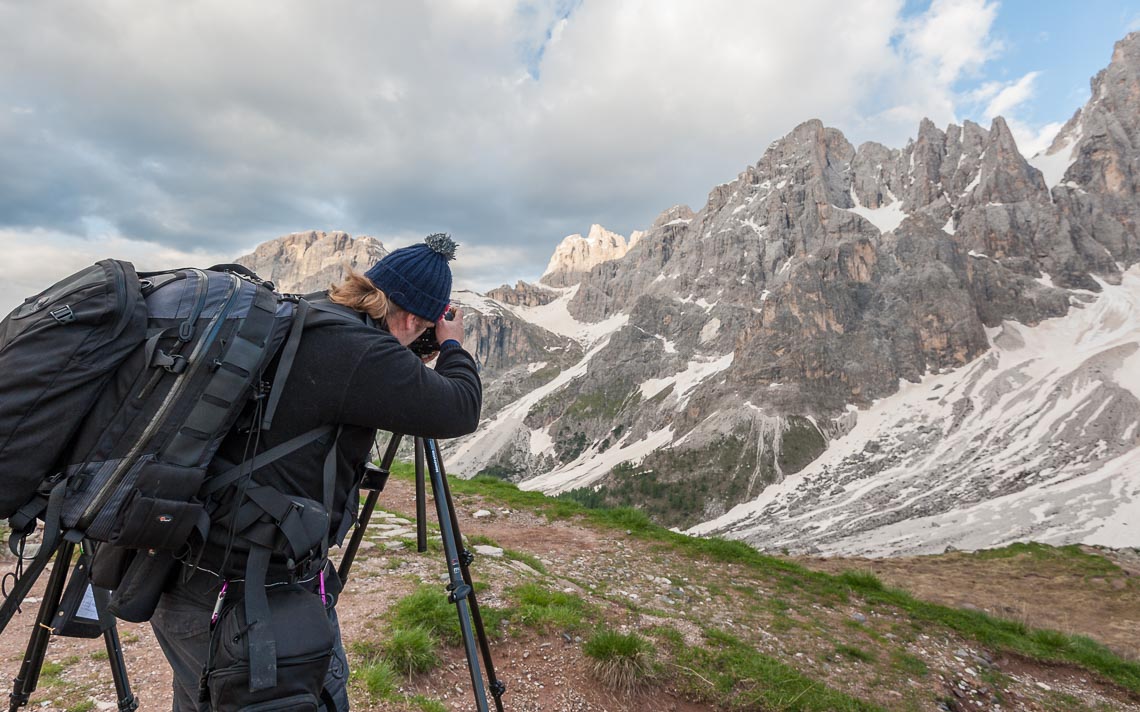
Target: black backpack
[
  {"x": 58, "y": 350},
  {"x": 116, "y": 390}
]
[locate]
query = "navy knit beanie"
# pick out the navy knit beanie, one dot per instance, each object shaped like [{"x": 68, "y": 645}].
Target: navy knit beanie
[{"x": 418, "y": 278}]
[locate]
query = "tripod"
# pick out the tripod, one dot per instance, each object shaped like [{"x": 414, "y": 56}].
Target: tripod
[
  {"x": 51, "y": 619},
  {"x": 460, "y": 590}
]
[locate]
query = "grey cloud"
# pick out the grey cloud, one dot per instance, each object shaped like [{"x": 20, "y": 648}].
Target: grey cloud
[{"x": 214, "y": 125}]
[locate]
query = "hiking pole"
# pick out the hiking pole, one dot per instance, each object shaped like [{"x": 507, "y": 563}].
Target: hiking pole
[
  {"x": 462, "y": 593},
  {"x": 26, "y": 681},
  {"x": 374, "y": 480}
]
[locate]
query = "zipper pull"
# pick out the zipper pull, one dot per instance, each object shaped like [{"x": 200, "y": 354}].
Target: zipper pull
[{"x": 218, "y": 606}]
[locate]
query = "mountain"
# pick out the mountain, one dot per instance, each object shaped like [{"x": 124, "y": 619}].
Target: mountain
[
  {"x": 306, "y": 262},
  {"x": 762, "y": 335},
  {"x": 575, "y": 256},
  {"x": 846, "y": 349}
]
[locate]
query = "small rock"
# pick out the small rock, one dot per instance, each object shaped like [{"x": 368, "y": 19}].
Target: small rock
[
  {"x": 859, "y": 617},
  {"x": 481, "y": 514},
  {"x": 1045, "y": 687},
  {"x": 394, "y": 545},
  {"x": 493, "y": 551}
]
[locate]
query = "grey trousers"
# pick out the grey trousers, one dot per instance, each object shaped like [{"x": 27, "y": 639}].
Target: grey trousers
[{"x": 183, "y": 632}]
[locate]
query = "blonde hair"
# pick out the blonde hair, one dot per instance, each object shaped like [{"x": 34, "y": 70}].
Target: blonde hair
[{"x": 358, "y": 293}]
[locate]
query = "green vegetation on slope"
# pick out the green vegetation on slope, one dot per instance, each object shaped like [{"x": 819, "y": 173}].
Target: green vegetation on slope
[{"x": 725, "y": 658}]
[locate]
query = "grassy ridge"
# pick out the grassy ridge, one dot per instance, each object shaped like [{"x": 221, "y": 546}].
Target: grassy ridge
[{"x": 996, "y": 633}]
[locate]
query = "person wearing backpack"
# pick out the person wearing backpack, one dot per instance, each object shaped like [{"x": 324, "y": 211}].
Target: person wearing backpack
[{"x": 248, "y": 623}]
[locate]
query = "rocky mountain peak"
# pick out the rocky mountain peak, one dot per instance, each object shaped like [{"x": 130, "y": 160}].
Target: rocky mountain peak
[
  {"x": 577, "y": 255},
  {"x": 1006, "y": 177},
  {"x": 523, "y": 294},
  {"x": 310, "y": 261},
  {"x": 672, "y": 216}
]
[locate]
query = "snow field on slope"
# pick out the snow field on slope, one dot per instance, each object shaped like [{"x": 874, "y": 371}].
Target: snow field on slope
[{"x": 993, "y": 472}]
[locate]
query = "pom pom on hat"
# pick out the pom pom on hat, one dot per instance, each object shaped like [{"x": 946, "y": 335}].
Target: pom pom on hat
[
  {"x": 418, "y": 278},
  {"x": 442, "y": 243}
]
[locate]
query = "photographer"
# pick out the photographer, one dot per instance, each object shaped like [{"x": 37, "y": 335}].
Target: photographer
[{"x": 358, "y": 378}]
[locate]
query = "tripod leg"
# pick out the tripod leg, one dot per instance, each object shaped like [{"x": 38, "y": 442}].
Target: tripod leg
[
  {"x": 29, "y": 676},
  {"x": 460, "y": 589},
  {"x": 421, "y": 501},
  {"x": 369, "y": 507},
  {"x": 127, "y": 700},
  {"x": 28, "y": 579},
  {"x": 465, "y": 559}
]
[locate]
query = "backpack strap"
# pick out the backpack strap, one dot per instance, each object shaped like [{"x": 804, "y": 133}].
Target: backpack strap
[
  {"x": 220, "y": 482},
  {"x": 229, "y": 381},
  {"x": 309, "y": 313},
  {"x": 288, "y": 354},
  {"x": 262, "y": 646}
]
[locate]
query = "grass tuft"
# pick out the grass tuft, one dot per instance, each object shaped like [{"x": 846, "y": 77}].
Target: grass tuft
[
  {"x": 379, "y": 679},
  {"x": 621, "y": 662},
  {"x": 850, "y": 651},
  {"x": 411, "y": 650},
  {"x": 426, "y": 704},
  {"x": 546, "y": 610},
  {"x": 427, "y": 607},
  {"x": 861, "y": 580}
]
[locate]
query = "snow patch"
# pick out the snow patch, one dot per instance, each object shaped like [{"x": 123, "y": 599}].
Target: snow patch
[
  {"x": 591, "y": 465},
  {"x": 540, "y": 442},
  {"x": 1054, "y": 165},
  {"x": 556, "y": 317},
  {"x": 478, "y": 302},
  {"x": 886, "y": 218}
]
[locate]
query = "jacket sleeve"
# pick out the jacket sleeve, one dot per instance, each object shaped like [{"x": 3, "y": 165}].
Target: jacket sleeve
[{"x": 391, "y": 389}]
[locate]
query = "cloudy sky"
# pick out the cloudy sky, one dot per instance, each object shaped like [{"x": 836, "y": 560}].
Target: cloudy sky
[{"x": 184, "y": 133}]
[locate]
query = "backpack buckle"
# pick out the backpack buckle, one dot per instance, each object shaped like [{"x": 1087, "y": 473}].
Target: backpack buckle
[
  {"x": 174, "y": 364},
  {"x": 64, "y": 314}
]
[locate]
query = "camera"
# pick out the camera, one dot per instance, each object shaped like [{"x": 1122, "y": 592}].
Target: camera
[{"x": 426, "y": 344}]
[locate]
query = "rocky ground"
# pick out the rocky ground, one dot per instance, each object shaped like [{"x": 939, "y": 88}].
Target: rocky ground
[{"x": 684, "y": 603}]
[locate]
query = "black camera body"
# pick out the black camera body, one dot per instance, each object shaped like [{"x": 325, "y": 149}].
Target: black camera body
[{"x": 426, "y": 344}]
